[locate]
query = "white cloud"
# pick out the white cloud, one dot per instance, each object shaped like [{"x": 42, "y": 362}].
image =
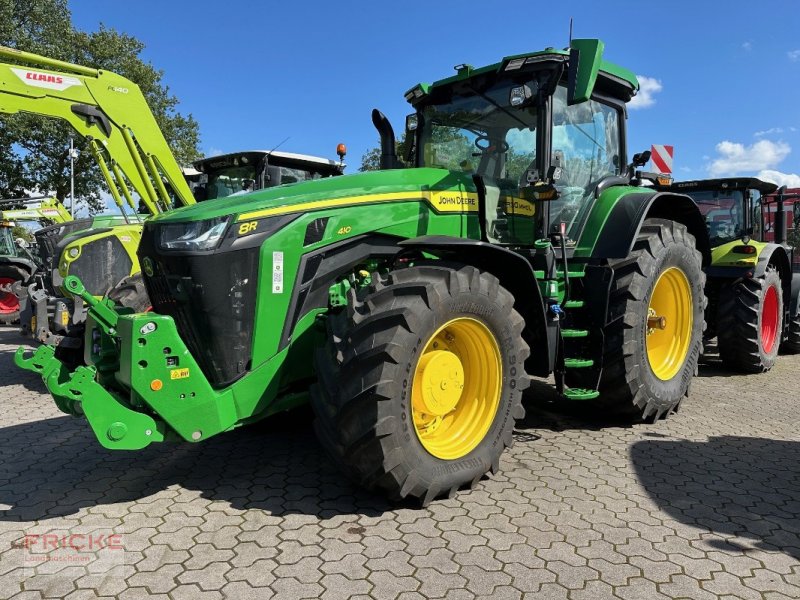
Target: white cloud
[
  {"x": 794, "y": 55},
  {"x": 791, "y": 180},
  {"x": 747, "y": 46},
  {"x": 648, "y": 87},
  {"x": 770, "y": 131},
  {"x": 735, "y": 158},
  {"x": 212, "y": 151}
]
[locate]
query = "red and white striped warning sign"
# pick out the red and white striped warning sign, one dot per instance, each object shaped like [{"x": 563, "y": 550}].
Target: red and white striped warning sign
[{"x": 662, "y": 158}]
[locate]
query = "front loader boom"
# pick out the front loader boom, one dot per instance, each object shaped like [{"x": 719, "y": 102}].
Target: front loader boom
[{"x": 107, "y": 109}]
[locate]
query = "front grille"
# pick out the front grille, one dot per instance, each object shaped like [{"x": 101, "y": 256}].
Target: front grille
[
  {"x": 103, "y": 263},
  {"x": 211, "y": 298}
]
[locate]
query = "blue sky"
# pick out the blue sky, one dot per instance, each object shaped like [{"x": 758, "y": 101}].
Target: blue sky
[{"x": 723, "y": 79}]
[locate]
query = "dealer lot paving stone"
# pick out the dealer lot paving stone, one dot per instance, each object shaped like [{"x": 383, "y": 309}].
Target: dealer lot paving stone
[{"x": 703, "y": 505}]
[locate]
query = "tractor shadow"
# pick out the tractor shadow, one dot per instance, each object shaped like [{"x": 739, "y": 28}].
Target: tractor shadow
[
  {"x": 10, "y": 374},
  {"x": 55, "y": 467},
  {"x": 546, "y": 409},
  {"x": 733, "y": 486}
]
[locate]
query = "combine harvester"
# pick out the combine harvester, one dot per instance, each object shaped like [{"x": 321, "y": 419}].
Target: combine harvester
[{"x": 520, "y": 244}]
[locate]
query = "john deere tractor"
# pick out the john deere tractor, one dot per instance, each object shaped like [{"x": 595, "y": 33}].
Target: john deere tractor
[
  {"x": 519, "y": 244},
  {"x": 752, "y": 292}
]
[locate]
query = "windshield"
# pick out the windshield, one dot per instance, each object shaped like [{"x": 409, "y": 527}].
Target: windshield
[
  {"x": 233, "y": 181},
  {"x": 722, "y": 210},
  {"x": 230, "y": 181},
  {"x": 482, "y": 133}
]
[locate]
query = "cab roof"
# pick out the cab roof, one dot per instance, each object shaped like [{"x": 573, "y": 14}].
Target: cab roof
[
  {"x": 622, "y": 82},
  {"x": 725, "y": 183},
  {"x": 276, "y": 158}
]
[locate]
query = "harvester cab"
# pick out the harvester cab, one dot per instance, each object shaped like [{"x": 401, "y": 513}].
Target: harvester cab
[
  {"x": 516, "y": 245},
  {"x": 751, "y": 288}
]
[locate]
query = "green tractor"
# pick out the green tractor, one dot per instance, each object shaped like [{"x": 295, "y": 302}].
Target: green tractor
[
  {"x": 751, "y": 289},
  {"x": 520, "y": 244}
]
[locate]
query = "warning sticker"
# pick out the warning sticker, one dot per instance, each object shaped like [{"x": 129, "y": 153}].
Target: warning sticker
[
  {"x": 277, "y": 272},
  {"x": 179, "y": 373}
]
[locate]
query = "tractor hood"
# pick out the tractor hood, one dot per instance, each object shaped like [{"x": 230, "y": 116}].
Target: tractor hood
[{"x": 315, "y": 195}]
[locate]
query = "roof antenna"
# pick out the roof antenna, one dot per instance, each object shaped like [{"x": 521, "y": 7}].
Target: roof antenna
[
  {"x": 570, "y": 32},
  {"x": 286, "y": 139}
]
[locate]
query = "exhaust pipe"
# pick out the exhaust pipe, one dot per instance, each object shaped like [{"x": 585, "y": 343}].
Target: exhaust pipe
[{"x": 388, "y": 151}]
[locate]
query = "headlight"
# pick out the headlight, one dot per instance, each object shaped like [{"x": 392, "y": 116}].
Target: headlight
[{"x": 194, "y": 235}]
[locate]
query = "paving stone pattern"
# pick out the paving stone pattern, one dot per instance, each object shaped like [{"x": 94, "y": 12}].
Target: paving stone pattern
[{"x": 704, "y": 505}]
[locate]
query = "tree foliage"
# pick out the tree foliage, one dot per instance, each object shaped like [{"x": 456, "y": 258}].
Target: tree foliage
[{"x": 34, "y": 151}]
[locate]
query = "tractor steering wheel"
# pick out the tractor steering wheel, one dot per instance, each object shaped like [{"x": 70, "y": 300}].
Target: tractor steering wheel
[{"x": 486, "y": 145}]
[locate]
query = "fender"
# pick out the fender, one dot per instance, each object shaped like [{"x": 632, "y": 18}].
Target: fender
[
  {"x": 775, "y": 254},
  {"x": 515, "y": 274},
  {"x": 625, "y": 220}
]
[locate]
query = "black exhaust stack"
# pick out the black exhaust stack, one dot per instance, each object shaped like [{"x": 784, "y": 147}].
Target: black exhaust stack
[
  {"x": 780, "y": 217},
  {"x": 388, "y": 151}
]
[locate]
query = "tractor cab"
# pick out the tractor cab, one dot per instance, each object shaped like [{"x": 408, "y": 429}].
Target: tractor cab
[
  {"x": 731, "y": 206},
  {"x": 242, "y": 172},
  {"x": 517, "y": 128}
]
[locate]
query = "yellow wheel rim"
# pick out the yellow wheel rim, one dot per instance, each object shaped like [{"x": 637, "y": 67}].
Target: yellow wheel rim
[
  {"x": 456, "y": 388},
  {"x": 668, "y": 329}
]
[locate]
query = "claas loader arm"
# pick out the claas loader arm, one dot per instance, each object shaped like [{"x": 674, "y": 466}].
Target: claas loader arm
[
  {"x": 48, "y": 211},
  {"x": 105, "y": 108}
]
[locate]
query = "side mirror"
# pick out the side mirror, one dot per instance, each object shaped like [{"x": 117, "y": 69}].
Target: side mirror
[
  {"x": 641, "y": 159},
  {"x": 21, "y": 242}
]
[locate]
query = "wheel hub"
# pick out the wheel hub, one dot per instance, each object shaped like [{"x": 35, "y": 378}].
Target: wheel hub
[
  {"x": 669, "y": 323},
  {"x": 442, "y": 383},
  {"x": 456, "y": 388}
]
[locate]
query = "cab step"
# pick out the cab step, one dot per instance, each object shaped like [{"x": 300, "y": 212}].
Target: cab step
[
  {"x": 578, "y": 363},
  {"x": 574, "y": 333},
  {"x": 580, "y": 394}
]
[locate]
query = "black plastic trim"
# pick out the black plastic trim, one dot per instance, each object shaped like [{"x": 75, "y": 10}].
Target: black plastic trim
[{"x": 315, "y": 276}]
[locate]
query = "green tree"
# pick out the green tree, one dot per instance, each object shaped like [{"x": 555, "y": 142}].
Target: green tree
[{"x": 34, "y": 152}]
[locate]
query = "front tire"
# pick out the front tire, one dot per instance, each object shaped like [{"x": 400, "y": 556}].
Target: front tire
[
  {"x": 751, "y": 322},
  {"x": 655, "y": 324},
  {"x": 421, "y": 382}
]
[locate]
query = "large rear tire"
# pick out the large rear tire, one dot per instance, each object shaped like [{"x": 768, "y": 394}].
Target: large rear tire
[
  {"x": 655, "y": 325},
  {"x": 751, "y": 322},
  {"x": 9, "y": 303},
  {"x": 421, "y": 381}
]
